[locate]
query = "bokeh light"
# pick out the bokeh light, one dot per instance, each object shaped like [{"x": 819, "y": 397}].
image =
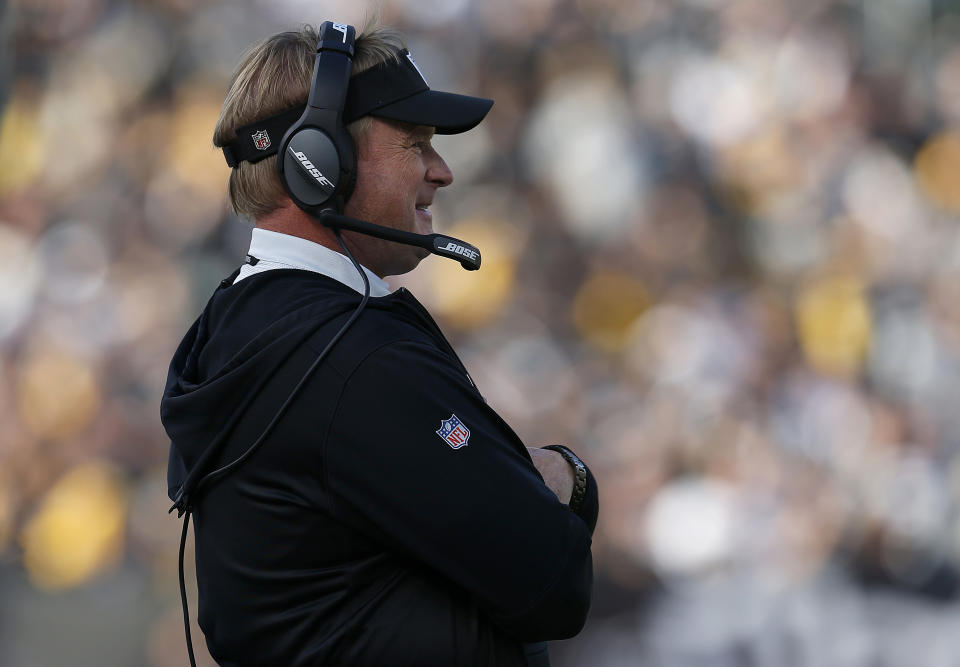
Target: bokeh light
[
  {"x": 470, "y": 300},
  {"x": 78, "y": 530},
  {"x": 813, "y": 72},
  {"x": 833, "y": 325},
  {"x": 20, "y": 276},
  {"x": 6, "y": 512},
  {"x": 715, "y": 101},
  {"x": 691, "y": 528},
  {"x": 606, "y": 307},
  {"x": 21, "y": 142},
  {"x": 938, "y": 170},
  {"x": 73, "y": 261},
  {"x": 57, "y": 394},
  {"x": 579, "y": 145}
]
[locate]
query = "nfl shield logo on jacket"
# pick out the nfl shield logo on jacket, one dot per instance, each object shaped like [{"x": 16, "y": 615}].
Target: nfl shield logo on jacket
[{"x": 454, "y": 432}]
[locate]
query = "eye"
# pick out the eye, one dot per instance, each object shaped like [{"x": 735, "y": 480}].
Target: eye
[{"x": 421, "y": 145}]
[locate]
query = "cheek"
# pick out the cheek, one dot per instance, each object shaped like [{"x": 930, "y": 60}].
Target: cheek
[
  {"x": 364, "y": 178},
  {"x": 368, "y": 187},
  {"x": 385, "y": 184}
]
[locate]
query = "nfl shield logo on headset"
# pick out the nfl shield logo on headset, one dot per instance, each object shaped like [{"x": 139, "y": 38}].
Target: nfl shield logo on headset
[
  {"x": 454, "y": 432},
  {"x": 261, "y": 140}
]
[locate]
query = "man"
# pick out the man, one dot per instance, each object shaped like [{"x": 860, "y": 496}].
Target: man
[{"x": 375, "y": 511}]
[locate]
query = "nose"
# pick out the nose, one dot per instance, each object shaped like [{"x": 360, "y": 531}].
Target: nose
[{"x": 438, "y": 173}]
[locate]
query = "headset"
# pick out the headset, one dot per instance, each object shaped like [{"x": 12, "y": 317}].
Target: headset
[
  {"x": 317, "y": 159},
  {"x": 317, "y": 164}
]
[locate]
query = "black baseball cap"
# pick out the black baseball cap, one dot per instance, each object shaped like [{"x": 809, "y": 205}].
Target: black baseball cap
[{"x": 397, "y": 90}]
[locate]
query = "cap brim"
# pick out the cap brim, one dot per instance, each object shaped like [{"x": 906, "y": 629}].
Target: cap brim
[{"x": 447, "y": 113}]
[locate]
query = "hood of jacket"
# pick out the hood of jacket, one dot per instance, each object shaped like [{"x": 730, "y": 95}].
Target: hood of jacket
[{"x": 223, "y": 361}]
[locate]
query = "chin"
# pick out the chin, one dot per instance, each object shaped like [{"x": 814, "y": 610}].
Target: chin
[
  {"x": 416, "y": 257},
  {"x": 408, "y": 261}
]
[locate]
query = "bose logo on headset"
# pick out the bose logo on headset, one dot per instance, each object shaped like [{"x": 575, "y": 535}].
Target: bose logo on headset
[
  {"x": 308, "y": 165},
  {"x": 460, "y": 250}
]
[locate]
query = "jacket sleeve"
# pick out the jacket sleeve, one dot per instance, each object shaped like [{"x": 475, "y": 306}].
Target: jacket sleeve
[{"x": 479, "y": 513}]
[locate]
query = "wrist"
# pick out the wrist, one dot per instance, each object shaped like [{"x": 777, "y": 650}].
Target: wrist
[{"x": 579, "y": 476}]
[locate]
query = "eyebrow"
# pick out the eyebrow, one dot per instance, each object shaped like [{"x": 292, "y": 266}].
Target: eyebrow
[{"x": 420, "y": 132}]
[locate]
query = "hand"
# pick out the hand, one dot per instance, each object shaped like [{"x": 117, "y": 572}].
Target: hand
[{"x": 556, "y": 472}]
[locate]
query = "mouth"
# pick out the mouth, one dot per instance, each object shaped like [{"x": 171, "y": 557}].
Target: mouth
[{"x": 424, "y": 210}]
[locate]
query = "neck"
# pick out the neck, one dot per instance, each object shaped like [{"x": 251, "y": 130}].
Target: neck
[{"x": 289, "y": 219}]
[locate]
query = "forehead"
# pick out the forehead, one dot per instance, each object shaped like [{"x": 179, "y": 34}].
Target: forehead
[
  {"x": 388, "y": 135},
  {"x": 405, "y": 129}
]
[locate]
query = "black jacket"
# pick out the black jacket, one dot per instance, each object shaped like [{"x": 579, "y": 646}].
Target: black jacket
[{"x": 356, "y": 534}]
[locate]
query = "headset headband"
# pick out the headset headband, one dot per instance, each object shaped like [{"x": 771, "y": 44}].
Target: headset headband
[{"x": 329, "y": 88}]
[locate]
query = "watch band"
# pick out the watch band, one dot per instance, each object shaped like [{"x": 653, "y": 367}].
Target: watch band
[{"x": 579, "y": 476}]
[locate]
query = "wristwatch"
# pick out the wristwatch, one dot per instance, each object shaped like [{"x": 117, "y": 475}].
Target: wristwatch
[{"x": 579, "y": 476}]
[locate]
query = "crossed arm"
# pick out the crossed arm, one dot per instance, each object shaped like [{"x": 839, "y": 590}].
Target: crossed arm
[{"x": 479, "y": 515}]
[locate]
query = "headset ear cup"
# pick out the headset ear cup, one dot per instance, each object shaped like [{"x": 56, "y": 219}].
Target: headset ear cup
[
  {"x": 311, "y": 167},
  {"x": 318, "y": 170}
]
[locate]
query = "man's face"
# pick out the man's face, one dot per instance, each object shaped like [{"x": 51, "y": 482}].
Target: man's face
[{"x": 398, "y": 173}]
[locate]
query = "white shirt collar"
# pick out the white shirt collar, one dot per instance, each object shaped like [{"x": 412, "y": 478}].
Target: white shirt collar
[{"x": 282, "y": 251}]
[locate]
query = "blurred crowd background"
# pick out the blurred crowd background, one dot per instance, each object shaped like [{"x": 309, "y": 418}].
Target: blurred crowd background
[{"x": 721, "y": 245}]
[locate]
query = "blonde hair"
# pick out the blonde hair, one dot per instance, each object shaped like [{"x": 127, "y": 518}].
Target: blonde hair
[{"x": 275, "y": 75}]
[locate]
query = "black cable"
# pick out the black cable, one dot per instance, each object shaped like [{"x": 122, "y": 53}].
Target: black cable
[
  {"x": 183, "y": 589},
  {"x": 187, "y": 508}
]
